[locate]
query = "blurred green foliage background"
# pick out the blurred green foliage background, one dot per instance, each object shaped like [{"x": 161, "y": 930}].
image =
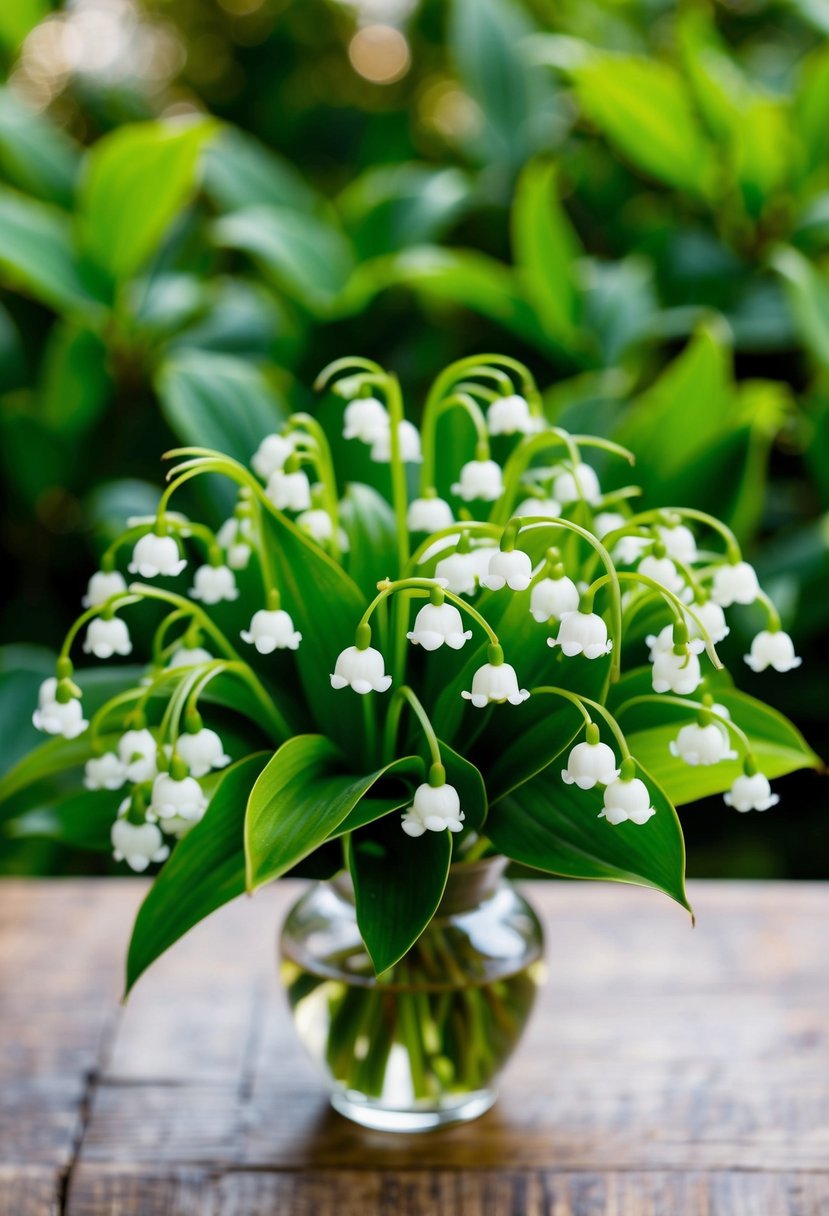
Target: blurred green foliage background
[{"x": 203, "y": 201}]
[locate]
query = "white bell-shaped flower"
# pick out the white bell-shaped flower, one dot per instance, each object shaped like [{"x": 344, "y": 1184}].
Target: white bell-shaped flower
[
  {"x": 479, "y": 479},
  {"x": 102, "y": 586},
  {"x": 680, "y": 543},
  {"x": 712, "y": 617},
  {"x": 189, "y": 656},
  {"x": 214, "y": 584},
  {"x": 580, "y": 482},
  {"x": 495, "y": 683},
  {"x": 105, "y": 772},
  {"x": 154, "y": 555},
  {"x": 664, "y": 640},
  {"x": 106, "y": 637},
  {"x": 55, "y": 717},
  {"x": 429, "y": 515},
  {"x": 270, "y": 631},
  {"x": 630, "y": 549},
  {"x": 676, "y": 673},
  {"x": 361, "y": 670},
  {"x": 235, "y": 536},
  {"x": 366, "y": 419},
  {"x": 320, "y": 526},
  {"x": 590, "y": 764},
  {"x": 409, "y": 436},
  {"x": 606, "y": 522},
  {"x": 202, "y": 751},
  {"x": 289, "y": 491},
  {"x": 458, "y": 572},
  {"x": 751, "y": 793},
  {"x": 513, "y": 570},
  {"x": 538, "y": 508},
  {"x": 627, "y": 801},
  {"x": 436, "y": 624},
  {"x": 553, "y": 597},
  {"x": 137, "y": 751},
  {"x": 271, "y": 455},
  {"x": 735, "y": 584},
  {"x": 137, "y": 844},
  {"x": 177, "y": 797},
  {"x": 512, "y": 416},
  {"x": 434, "y": 809},
  {"x": 663, "y": 571},
  {"x": 481, "y": 558},
  {"x": 702, "y": 744},
  {"x": 772, "y": 649},
  {"x": 582, "y": 633}
]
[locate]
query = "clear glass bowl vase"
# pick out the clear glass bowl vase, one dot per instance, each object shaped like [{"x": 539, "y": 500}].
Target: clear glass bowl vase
[{"x": 423, "y": 1046}]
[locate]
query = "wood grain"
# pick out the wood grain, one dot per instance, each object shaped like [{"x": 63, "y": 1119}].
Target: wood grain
[{"x": 666, "y": 1071}]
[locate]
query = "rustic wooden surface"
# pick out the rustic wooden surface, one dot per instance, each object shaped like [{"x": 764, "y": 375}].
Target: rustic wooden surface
[{"x": 667, "y": 1072}]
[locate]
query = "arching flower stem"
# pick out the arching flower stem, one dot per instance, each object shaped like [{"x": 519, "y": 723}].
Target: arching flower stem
[
  {"x": 403, "y": 694},
  {"x": 424, "y": 587},
  {"x": 663, "y": 516},
  {"x": 473, "y": 527},
  {"x": 431, "y": 417},
  {"x": 696, "y": 707},
  {"x": 122, "y": 600},
  {"x": 674, "y": 603},
  {"x": 598, "y": 709},
  {"x": 519, "y": 460}
]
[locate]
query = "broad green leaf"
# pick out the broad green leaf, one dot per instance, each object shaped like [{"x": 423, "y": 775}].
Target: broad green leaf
[
  {"x": 299, "y": 800},
  {"x": 136, "y": 180},
  {"x": 205, "y": 871},
  {"x": 37, "y": 254},
  {"x": 240, "y": 172},
  {"x": 36, "y": 155},
  {"x": 808, "y": 295},
  {"x": 644, "y": 109},
  {"x": 811, "y": 104},
  {"x": 75, "y": 385},
  {"x": 241, "y": 319},
  {"x": 392, "y": 206},
  {"x": 368, "y": 521},
  {"x": 308, "y": 257},
  {"x": 218, "y": 401},
  {"x": 398, "y": 884},
  {"x": 545, "y": 249},
  {"x": 469, "y": 783},
  {"x": 778, "y": 746},
  {"x": 555, "y": 827},
  {"x": 82, "y": 819},
  {"x": 544, "y": 728}
]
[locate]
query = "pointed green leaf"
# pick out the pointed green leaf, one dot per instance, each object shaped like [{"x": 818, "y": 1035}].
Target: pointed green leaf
[
  {"x": 546, "y": 249},
  {"x": 368, "y": 521}
]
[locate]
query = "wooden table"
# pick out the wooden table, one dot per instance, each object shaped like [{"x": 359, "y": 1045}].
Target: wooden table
[{"x": 667, "y": 1072}]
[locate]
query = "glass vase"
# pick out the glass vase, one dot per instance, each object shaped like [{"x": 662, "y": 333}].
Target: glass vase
[{"x": 422, "y": 1046}]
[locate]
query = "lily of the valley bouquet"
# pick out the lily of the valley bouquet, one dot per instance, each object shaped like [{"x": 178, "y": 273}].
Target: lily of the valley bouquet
[{"x": 490, "y": 655}]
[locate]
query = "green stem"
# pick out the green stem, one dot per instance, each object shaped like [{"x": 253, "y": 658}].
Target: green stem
[
  {"x": 400, "y": 501},
  {"x": 696, "y": 707},
  {"x": 405, "y": 694}
]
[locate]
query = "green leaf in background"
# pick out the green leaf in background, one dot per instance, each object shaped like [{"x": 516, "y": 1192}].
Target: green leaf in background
[
  {"x": 807, "y": 291},
  {"x": 393, "y": 206},
  {"x": 469, "y": 783},
  {"x": 555, "y": 827},
  {"x": 308, "y": 257},
  {"x": 218, "y": 401},
  {"x": 206, "y": 871},
  {"x": 36, "y": 155},
  {"x": 135, "y": 182},
  {"x": 299, "y": 800},
  {"x": 241, "y": 172},
  {"x": 368, "y": 521},
  {"x": 398, "y": 884},
  {"x": 18, "y": 18},
  {"x": 82, "y": 819},
  {"x": 810, "y": 107},
  {"x": 642, "y": 106},
  {"x": 545, "y": 248},
  {"x": 75, "y": 386},
  {"x": 37, "y": 254},
  {"x": 620, "y": 304},
  {"x": 777, "y": 745}
]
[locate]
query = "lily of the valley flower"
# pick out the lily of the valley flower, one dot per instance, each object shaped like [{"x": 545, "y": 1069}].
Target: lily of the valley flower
[
  {"x": 606, "y": 522},
  {"x": 664, "y": 640},
  {"x": 360, "y": 668},
  {"x": 580, "y": 482},
  {"x": 320, "y": 526},
  {"x": 680, "y": 542},
  {"x": 429, "y": 515},
  {"x": 751, "y": 792},
  {"x": 479, "y": 479},
  {"x": 510, "y": 416},
  {"x": 582, "y": 633},
  {"x": 106, "y": 637},
  {"x": 177, "y": 797},
  {"x": 495, "y": 683},
  {"x": 409, "y": 437},
  {"x": 713, "y": 618},
  {"x": 189, "y": 656},
  {"x": 630, "y": 549},
  {"x": 735, "y": 584},
  {"x": 202, "y": 751},
  {"x": 102, "y": 586},
  {"x": 627, "y": 800},
  {"x": 459, "y": 572},
  {"x": 214, "y": 584},
  {"x": 58, "y": 717},
  {"x": 105, "y": 772},
  {"x": 366, "y": 419},
  {"x": 137, "y": 750},
  {"x": 434, "y": 809},
  {"x": 772, "y": 649},
  {"x": 271, "y": 455},
  {"x": 540, "y": 508},
  {"x": 676, "y": 672},
  {"x": 663, "y": 571},
  {"x": 702, "y": 743},
  {"x": 590, "y": 763},
  {"x": 553, "y": 597},
  {"x": 154, "y": 555},
  {"x": 234, "y": 537},
  {"x": 436, "y": 624},
  {"x": 137, "y": 844},
  {"x": 512, "y": 569},
  {"x": 270, "y": 631},
  {"x": 289, "y": 491}
]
